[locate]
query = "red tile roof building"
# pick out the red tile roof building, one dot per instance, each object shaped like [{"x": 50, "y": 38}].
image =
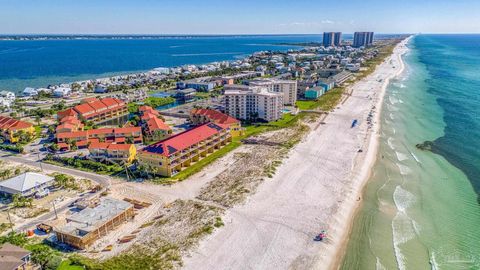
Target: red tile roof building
[
  {"x": 114, "y": 152},
  {"x": 201, "y": 116},
  {"x": 96, "y": 110},
  {"x": 108, "y": 135},
  {"x": 173, "y": 154},
  {"x": 153, "y": 127},
  {"x": 9, "y": 128}
]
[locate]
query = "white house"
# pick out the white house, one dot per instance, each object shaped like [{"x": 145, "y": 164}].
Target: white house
[
  {"x": 26, "y": 184},
  {"x": 62, "y": 92},
  {"x": 29, "y": 92}
]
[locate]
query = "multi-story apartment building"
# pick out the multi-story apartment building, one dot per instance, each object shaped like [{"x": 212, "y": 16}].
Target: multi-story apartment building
[
  {"x": 125, "y": 153},
  {"x": 332, "y": 39},
  {"x": 362, "y": 39},
  {"x": 254, "y": 103},
  {"x": 108, "y": 135},
  {"x": 97, "y": 110},
  {"x": 172, "y": 155},
  {"x": 287, "y": 87}
]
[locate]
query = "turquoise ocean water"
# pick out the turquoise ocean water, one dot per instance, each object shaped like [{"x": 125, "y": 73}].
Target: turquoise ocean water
[{"x": 420, "y": 208}]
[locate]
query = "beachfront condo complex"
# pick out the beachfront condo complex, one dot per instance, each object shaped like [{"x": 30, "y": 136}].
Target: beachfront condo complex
[
  {"x": 174, "y": 154},
  {"x": 251, "y": 103}
]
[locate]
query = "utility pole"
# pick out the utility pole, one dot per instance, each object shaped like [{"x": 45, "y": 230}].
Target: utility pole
[
  {"x": 40, "y": 161},
  {"x": 55, "y": 210},
  {"x": 10, "y": 220},
  {"x": 126, "y": 172}
]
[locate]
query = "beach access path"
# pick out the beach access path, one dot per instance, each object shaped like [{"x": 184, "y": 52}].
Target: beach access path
[{"x": 316, "y": 188}]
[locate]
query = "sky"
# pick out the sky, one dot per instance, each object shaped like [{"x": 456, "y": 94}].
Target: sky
[{"x": 237, "y": 16}]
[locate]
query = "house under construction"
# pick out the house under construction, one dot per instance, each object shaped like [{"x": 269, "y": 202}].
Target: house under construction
[{"x": 88, "y": 225}]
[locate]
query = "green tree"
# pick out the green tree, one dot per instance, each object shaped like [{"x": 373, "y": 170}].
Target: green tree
[{"x": 14, "y": 238}]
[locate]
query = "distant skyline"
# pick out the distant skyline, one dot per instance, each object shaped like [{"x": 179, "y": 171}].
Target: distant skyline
[{"x": 237, "y": 17}]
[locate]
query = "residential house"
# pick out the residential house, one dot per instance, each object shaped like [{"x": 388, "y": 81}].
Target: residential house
[
  {"x": 14, "y": 258},
  {"x": 26, "y": 184},
  {"x": 29, "y": 92},
  {"x": 11, "y": 128}
]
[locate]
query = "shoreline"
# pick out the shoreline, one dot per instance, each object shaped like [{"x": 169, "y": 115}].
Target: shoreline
[
  {"x": 352, "y": 206},
  {"x": 315, "y": 188}
]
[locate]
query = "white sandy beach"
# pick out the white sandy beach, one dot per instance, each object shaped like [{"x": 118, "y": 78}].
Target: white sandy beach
[{"x": 317, "y": 187}]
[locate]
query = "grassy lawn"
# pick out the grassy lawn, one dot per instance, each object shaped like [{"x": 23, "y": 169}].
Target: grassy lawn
[
  {"x": 286, "y": 121},
  {"x": 200, "y": 164},
  {"x": 66, "y": 265},
  {"x": 327, "y": 102},
  {"x": 38, "y": 131},
  {"x": 202, "y": 94}
]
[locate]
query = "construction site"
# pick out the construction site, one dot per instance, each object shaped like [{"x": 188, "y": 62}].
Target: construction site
[{"x": 91, "y": 223}]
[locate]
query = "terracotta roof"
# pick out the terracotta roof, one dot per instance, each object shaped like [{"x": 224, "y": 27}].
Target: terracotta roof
[
  {"x": 88, "y": 100},
  {"x": 110, "y": 102},
  {"x": 84, "y": 109},
  {"x": 147, "y": 109},
  {"x": 98, "y": 106},
  {"x": 101, "y": 131},
  {"x": 98, "y": 145},
  {"x": 8, "y": 123},
  {"x": 147, "y": 116},
  {"x": 75, "y": 134},
  {"x": 156, "y": 123},
  {"x": 183, "y": 140},
  {"x": 128, "y": 130},
  {"x": 216, "y": 116},
  {"x": 87, "y": 133},
  {"x": 65, "y": 113},
  {"x": 65, "y": 126},
  {"x": 120, "y": 140},
  {"x": 82, "y": 143},
  {"x": 70, "y": 119},
  {"x": 62, "y": 145}
]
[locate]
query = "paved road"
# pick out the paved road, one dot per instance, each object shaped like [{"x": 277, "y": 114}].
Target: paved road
[{"x": 32, "y": 160}]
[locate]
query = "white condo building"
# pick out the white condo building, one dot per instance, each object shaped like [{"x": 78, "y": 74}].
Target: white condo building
[
  {"x": 287, "y": 87},
  {"x": 253, "y": 102}
]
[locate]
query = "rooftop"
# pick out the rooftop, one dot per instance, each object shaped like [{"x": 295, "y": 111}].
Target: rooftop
[
  {"x": 13, "y": 124},
  {"x": 183, "y": 140},
  {"x": 216, "y": 116},
  {"x": 89, "y": 219},
  {"x": 24, "y": 182}
]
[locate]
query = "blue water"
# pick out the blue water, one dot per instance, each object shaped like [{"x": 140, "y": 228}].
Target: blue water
[
  {"x": 453, "y": 63},
  {"x": 420, "y": 208},
  {"x": 38, "y": 63}
]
